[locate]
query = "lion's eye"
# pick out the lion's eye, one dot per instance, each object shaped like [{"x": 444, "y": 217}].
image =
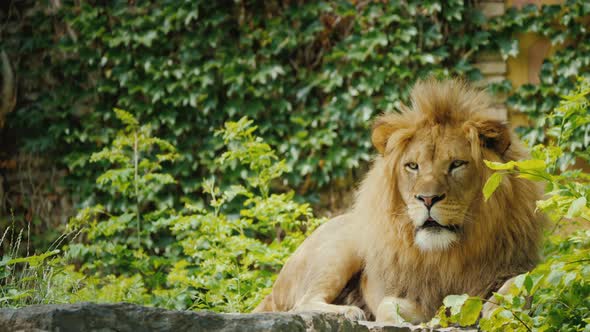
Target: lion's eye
[
  {"x": 456, "y": 164},
  {"x": 412, "y": 166}
]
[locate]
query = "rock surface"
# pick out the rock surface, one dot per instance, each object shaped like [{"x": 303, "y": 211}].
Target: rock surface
[{"x": 123, "y": 317}]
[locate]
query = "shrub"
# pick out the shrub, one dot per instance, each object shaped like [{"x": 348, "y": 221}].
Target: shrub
[{"x": 199, "y": 257}]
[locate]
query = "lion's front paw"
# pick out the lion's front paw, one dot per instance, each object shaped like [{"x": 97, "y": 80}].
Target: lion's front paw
[
  {"x": 389, "y": 313},
  {"x": 349, "y": 311},
  {"x": 353, "y": 313},
  {"x": 397, "y": 311}
]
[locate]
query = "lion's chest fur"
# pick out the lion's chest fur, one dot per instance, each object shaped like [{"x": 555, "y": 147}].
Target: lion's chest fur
[{"x": 397, "y": 268}]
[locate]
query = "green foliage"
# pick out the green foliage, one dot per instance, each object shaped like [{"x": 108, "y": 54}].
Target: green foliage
[
  {"x": 29, "y": 280},
  {"x": 565, "y": 27},
  {"x": 197, "y": 258},
  {"x": 310, "y": 74},
  {"x": 463, "y": 310},
  {"x": 229, "y": 259},
  {"x": 568, "y": 191},
  {"x": 116, "y": 237},
  {"x": 252, "y": 151},
  {"x": 25, "y": 286},
  {"x": 555, "y": 296}
]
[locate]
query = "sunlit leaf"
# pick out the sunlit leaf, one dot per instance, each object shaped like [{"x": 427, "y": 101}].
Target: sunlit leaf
[{"x": 491, "y": 185}]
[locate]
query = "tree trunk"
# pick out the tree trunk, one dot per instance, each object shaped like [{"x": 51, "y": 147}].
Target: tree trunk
[{"x": 8, "y": 91}]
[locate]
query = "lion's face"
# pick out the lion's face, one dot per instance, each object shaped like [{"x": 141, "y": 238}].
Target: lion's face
[
  {"x": 438, "y": 182},
  {"x": 430, "y": 150}
]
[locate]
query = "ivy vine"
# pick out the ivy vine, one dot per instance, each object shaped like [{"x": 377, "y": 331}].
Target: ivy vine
[{"x": 310, "y": 74}]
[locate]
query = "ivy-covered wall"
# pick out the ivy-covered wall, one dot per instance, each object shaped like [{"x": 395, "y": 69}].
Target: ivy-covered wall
[
  {"x": 310, "y": 74},
  {"x": 552, "y": 52}
]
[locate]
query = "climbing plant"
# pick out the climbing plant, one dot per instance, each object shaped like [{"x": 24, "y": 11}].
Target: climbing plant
[
  {"x": 311, "y": 74},
  {"x": 566, "y": 28},
  {"x": 194, "y": 257}
]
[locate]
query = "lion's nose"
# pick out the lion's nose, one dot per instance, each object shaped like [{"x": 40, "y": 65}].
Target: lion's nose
[{"x": 429, "y": 201}]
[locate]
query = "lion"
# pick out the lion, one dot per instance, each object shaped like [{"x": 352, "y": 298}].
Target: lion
[{"x": 420, "y": 229}]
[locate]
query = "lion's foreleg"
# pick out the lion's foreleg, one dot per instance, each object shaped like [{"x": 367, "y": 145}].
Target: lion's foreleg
[
  {"x": 396, "y": 310},
  {"x": 318, "y": 271},
  {"x": 265, "y": 305},
  {"x": 323, "y": 286}
]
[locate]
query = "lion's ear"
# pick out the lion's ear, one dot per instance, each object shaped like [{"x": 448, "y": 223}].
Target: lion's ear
[
  {"x": 391, "y": 124},
  {"x": 382, "y": 130},
  {"x": 494, "y": 135}
]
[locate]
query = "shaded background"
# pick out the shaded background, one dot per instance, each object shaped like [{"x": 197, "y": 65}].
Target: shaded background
[{"x": 311, "y": 75}]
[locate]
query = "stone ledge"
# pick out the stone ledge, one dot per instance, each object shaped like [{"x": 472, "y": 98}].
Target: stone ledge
[{"x": 124, "y": 317}]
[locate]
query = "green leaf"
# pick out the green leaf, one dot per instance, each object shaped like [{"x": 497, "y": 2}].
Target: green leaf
[
  {"x": 455, "y": 302},
  {"x": 528, "y": 283},
  {"x": 35, "y": 260},
  {"x": 499, "y": 166},
  {"x": 126, "y": 117},
  {"x": 492, "y": 184},
  {"x": 535, "y": 175},
  {"x": 532, "y": 164},
  {"x": 17, "y": 296},
  {"x": 576, "y": 207},
  {"x": 470, "y": 311},
  {"x": 508, "y": 47},
  {"x": 519, "y": 280}
]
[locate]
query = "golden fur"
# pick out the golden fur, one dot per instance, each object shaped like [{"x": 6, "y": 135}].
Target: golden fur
[{"x": 380, "y": 260}]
